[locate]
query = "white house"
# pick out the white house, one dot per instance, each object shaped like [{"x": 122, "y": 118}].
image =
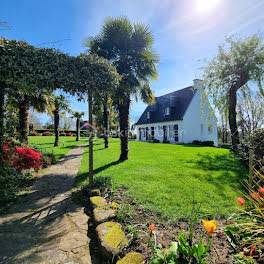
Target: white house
[{"x": 179, "y": 117}]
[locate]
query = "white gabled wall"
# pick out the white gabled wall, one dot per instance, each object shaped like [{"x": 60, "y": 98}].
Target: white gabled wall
[{"x": 196, "y": 116}]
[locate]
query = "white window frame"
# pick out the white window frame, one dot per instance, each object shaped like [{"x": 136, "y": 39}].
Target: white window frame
[
  {"x": 210, "y": 128},
  {"x": 167, "y": 111}
]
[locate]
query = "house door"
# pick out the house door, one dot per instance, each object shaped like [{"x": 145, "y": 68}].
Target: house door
[
  {"x": 152, "y": 133},
  {"x": 176, "y": 133},
  {"x": 147, "y": 135},
  {"x": 164, "y": 132},
  {"x": 140, "y": 133}
]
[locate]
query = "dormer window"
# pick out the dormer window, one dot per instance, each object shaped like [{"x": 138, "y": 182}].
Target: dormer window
[
  {"x": 167, "y": 111},
  {"x": 148, "y": 115}
]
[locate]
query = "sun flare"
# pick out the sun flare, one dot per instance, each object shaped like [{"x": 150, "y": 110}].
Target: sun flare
[{"x": 206, "y": 5}]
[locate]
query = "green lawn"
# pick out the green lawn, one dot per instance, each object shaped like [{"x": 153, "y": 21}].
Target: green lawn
[
  {"x": 46, "y": 144},
  {"x": 165, "y": 178}
]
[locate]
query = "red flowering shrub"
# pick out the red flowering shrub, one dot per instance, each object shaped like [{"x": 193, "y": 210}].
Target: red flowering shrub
[
  {"x": 27, "y": 159},
  {"x": 69, "y": 134},
  {"x": 47, "y": 133},
  {"x": 35, "y": 133},
  {"x": 21, "y": 158}
]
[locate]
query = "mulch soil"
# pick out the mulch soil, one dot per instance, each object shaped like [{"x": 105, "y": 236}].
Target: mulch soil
[{"x": 166, "y": 231}]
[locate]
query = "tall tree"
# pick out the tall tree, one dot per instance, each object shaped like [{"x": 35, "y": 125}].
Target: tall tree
[
  {"x": 57, "y": 104},
  {"x": 242, "y": 61},
  {"x": 103, "y": 116},
  {"x": 129, "y": 48},
  {"x": 78, "y": 116}
]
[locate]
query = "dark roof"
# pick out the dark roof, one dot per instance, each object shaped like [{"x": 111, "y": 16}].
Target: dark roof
[{"x": 177, "y": 101}]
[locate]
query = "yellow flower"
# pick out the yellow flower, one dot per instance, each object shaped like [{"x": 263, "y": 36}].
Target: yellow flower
[
  {"x": 114, "y": 205},
  {"x": 209, "y": 226}
]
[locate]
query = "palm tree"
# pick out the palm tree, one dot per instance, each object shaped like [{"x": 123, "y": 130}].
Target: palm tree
[
  {"x": 78, "y": 116},
  {"x": 23, "y": 103},
  {"x": 129, "y": 48},
  {"x": 54, "y": 108}
]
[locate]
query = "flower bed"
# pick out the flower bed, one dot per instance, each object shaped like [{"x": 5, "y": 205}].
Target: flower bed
[
  {"x": 47, "y": 133},
  {"x": 140, "y": 225},
  {"x": 35, "y": 133}
]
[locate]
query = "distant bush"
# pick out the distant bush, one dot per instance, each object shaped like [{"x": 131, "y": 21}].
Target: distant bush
[
  {"x": 197, "y": 142},
  {"x": 35, "y": 133},
  {"x": 156, "y": 141},
  {"x": 203, "y": 143},
  {"x": 166, "y": 141},
  {"x": 208, "y": 143},
  {"x": 69, "y": 134},
  {"x": 225, "y": 145},
  {"x": 133, "y": 136},
  {"x": 47, "y": 133}
]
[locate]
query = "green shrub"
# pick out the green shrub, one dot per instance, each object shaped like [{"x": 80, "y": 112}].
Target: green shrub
[
  {"x": 208, "y": 143},
  {"x": 10, "y": 183}
]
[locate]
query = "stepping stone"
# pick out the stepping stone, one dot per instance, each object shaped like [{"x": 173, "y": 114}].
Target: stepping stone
[
  {"x": 94, "y": 192},
  {"x": 98, "y": 201},
  {"x": 102, "y": 215},
  {"x": 131, "y": 258},
  {"x": 111, "y": 238}
]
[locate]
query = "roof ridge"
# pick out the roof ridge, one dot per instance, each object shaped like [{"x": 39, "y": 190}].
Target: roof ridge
[{"x": 188, "y": 87}]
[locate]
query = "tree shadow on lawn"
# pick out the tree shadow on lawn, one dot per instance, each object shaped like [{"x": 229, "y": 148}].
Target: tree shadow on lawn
[
  {"x": 84, "y": 176},
  {"x": 219, "y": 162}
]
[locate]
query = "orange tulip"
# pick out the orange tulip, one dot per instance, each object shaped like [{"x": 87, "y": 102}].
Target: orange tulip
[
  {"x": 152, "y": 228},
  {"x": 209, "y": 226},
  {"x": 241, "y": 201},
  {"x": 255, "y": 196},
  {"x": 261, "y": 190}
]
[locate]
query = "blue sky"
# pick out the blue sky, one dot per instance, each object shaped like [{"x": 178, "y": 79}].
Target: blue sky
[{"x": 187, "y": 32}]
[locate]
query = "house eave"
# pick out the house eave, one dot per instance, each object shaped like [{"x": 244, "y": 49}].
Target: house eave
[{"x": 169, "y": 121}]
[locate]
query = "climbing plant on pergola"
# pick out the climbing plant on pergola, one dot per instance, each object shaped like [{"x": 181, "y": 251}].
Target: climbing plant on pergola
[
  {"x": 92, "y": 76},
  {"x": 25, "y": 70}
]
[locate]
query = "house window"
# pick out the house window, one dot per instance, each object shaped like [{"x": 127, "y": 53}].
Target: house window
[
  {"x": 148, "y": 115},
  {"x": 210, "y": 129},
  {"x": 171, "y": 131},
  {"x": 167, "y": 111},
  {"x": 201, "y": 129}
]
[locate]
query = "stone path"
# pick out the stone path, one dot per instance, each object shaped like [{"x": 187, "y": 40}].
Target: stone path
[{"x": 45, "y": 226}]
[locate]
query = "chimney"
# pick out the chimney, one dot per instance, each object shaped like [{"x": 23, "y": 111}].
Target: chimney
[{"x": 198, "y": 83}]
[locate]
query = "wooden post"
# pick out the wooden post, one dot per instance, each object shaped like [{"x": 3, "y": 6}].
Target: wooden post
[
  {"x": 90, "y": 102},
  {"x": 250, "y": 167}
]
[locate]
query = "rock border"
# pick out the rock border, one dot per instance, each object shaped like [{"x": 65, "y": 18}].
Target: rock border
[{"x": 110, "y": 235}]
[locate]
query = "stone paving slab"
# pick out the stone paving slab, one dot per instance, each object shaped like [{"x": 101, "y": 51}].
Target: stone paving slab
[{"x": 45, "y": 226}]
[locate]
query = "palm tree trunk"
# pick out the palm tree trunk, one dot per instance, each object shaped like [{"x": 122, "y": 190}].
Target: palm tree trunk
[
  {"x": 106, "y": 125},
  {"x": 2, "y": 102},
  {"x": 77, "y": 129},
  {"x": 56, "y": 126},
  {"x": 232, "y": 117},
  {"x": 90, "y": 102},
  {"x": 124, "y": 128},
  {"x": 23, "y": 119}
]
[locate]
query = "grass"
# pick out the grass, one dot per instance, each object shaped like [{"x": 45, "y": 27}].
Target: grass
[
  {"x": 166, "y": 178},
  {"x": 45, "y": 144}
]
